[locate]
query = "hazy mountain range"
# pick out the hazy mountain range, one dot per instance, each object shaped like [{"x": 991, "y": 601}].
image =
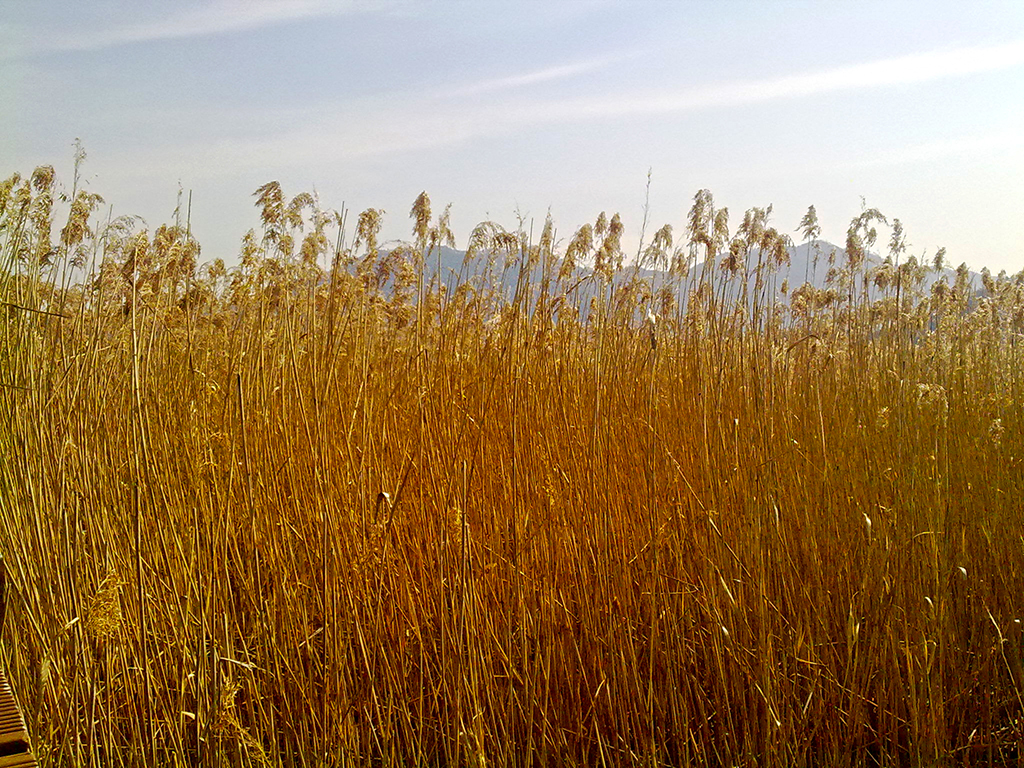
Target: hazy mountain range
[{"x": 808, "y": 262}]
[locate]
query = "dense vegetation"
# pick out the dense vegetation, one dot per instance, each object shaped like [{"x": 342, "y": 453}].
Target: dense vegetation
[{"x": 326, "y": 507}]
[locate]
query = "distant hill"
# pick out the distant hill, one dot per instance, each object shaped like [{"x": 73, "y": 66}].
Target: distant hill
[
  {"x": 813, "y": 262},
  {"x": 808, "y": 262}
]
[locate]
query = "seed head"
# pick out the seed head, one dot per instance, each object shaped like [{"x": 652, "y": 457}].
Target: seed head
[{"x": 995, "y": 432}]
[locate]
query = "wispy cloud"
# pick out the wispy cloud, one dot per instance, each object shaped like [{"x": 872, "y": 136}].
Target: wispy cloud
[
  {"x": 903, "y": 70},
  {"x": 466, "y": 115},
  {"x": 392, "y": 125},
  {"x": 537, "y": 76},
  {"x": 198, "y": 20}
]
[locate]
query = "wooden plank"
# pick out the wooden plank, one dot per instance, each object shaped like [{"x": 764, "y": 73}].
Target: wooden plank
[{"x": 15, "y": 750}]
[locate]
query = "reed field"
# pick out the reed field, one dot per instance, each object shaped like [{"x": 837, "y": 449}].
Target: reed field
[{"x": 330, "y": 504}]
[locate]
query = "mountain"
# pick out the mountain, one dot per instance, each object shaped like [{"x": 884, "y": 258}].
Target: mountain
[
  {"x": 820, "y": 263},
  {"x": 808, "y": 262}
]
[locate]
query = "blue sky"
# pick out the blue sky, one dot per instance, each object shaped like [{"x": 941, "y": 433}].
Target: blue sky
[{"x": 506, "y": 107}]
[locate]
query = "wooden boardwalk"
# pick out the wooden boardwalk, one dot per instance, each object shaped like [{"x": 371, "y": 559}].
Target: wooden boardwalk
[{"x": 15, "y": 750}]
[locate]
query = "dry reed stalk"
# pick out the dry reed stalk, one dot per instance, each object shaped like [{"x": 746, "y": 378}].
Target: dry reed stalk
[{"x": 451, "y": 524}]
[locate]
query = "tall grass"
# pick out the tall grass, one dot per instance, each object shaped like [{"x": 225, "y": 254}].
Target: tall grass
[{"x": 329, "y": 507}]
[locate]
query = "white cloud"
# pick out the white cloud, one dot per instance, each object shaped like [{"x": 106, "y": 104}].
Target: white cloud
[
  {"x": 904, "y": 70},
  {"x": 392, "y": 124},
  {"x": 463, "y": 116},
  {"x": 198, "y": 20},
  {"x": 537, "y": 76}
]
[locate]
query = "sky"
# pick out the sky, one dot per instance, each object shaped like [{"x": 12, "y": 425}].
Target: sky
[{"x": 512, "y": 109}]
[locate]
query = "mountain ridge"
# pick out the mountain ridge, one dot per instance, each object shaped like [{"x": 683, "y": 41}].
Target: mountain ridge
[{"x": 819, "y": 263}]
